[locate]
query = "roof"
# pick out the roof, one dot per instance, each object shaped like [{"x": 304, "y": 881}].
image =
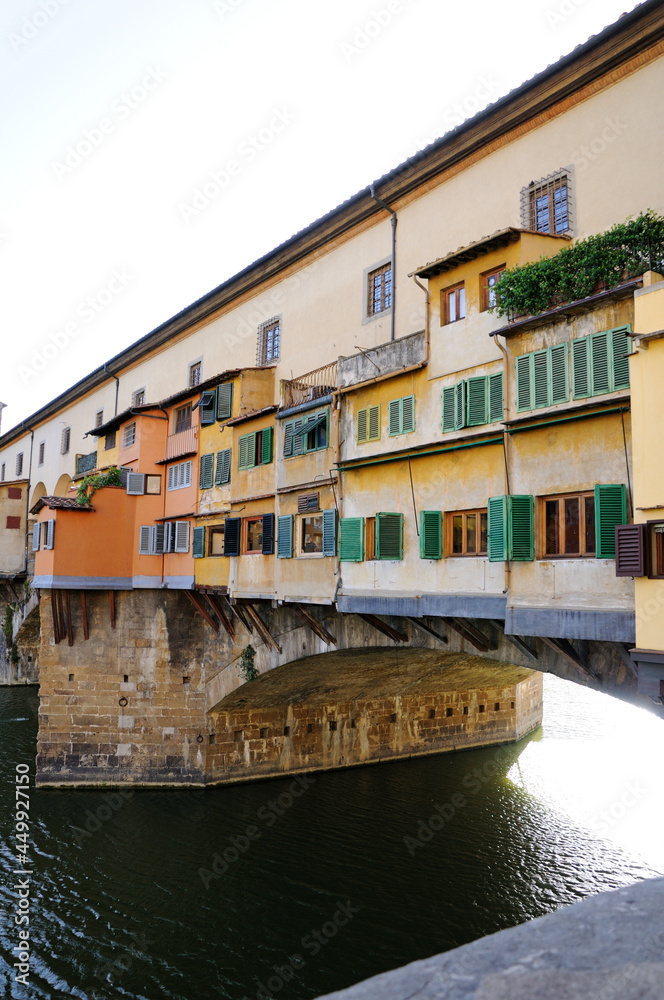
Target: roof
[
  {"x": 250, "y": 415},
  {"x": 632, "y": 34},
  {"x": 501, "y": 238},
  {"x": 58, "y": 503}
]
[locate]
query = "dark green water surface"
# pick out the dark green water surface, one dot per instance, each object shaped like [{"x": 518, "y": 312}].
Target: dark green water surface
[{"x": 348, "y": 878}]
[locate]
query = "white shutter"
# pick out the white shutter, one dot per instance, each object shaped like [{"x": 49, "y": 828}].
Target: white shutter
[
  {"x": 50, "y": 533},
  {"x": 168, "y": 536},
  {"x": 157, "y": 539},
  {"x": 136, "y": 484},
  {"x": 36, "y": 532},
  {"x": 144, "y": 535},
  {"x": 185, "y": 474},
  {"x": 181, "y": 536},
  {"x": 172, "y": 477}
]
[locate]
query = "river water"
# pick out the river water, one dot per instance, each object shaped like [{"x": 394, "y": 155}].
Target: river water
[{"x": 283, "y": 890}]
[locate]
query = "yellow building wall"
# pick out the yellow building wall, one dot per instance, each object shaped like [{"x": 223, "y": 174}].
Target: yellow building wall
[{"x": 13, "y": 540}]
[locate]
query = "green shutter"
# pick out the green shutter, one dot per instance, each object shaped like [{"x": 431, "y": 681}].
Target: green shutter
[
  {"x": 329, "y": 532},
  {"x": 374, "y": 423},
  {"x": 247, "y": 451},
  {"x": 496, "y": 408},
  {"x": 206, "y": 473},
  {"x": 558, "y": 385},
  {"x": 449, "y": 408},
  {"x": 208, "y": 407},
  {"x": 520, "y": 520},
  {"x": 610, "y": 510},
  {"x": 459, "y": 405},
  {"x": 580, "y": 369},
  {"x": 541, "y": 378},
  {"x": 362, "y": 426},
  {"x": 524, "y": 365},
  {"x": 288, "y": 439},
  {"x": 351, "y": 539},
  {"x": 476, "y": 391},
  {"x": 497, "y": 529},
  {"x": 389, "y": 536},
  {"x": 431, "y": 534},
  {"x": 225, "y": 401},
  {"x": 267, "y": 547},
  {"x": 199, "y": 543},
  {"x": 223, "y": 474},
  {"x": 266, "y": 446},
  {"x": 298, "y": 443},
  {"x": 407, "y": 414},
  {"x": 601, "y": 376},
  {"x": 285, "y": 536},
  {"x": 232, "y": 536},
  {"x": 620, "y": 348},
  {"x": 394, "y": 417}
]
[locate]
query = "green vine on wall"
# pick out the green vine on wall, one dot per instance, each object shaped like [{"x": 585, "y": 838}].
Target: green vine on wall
[
  {"x": 587, "y": 266},
  {"x": 8, "y": 632},
  {"x": 90, "y": 484},
  {"x": 247, "y": 667}
]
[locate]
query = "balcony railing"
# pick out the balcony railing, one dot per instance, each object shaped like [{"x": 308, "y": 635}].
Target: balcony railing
[
  {"x": 86, "y": 463},
  {"x": 306, "y": 388},
  {"x": 182, "y": 443}
]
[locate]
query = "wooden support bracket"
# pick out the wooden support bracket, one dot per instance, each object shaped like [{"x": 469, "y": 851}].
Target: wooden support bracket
[
  {"x": 70, "y": 631},
  {"x": 471, "y": 634},
  {"x": 623, "y": 653},
  {"x": 566, "y": 649},
  {"x": 199, "y": 604},
  {"x": 517, "y": 640},
  {"x": 84, "y": 614},
  {"x": 111, "y": 605},
  {"x": 315, "y": 625},
  {"x": 221, "y": 614},
  {"x": 419, "y": 624},
  {"x": 383, "y": 627},
  {"x": 261, "y": 627},
  {"x": 56, "y": 621},
  {"x": 61, "y": 615},
  {"x": 241, "y": 611}
]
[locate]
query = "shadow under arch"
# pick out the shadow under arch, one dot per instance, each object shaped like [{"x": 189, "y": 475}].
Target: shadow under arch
[
  {"x": 38, "y": 492},
  {"x": 62, "y": 486}
]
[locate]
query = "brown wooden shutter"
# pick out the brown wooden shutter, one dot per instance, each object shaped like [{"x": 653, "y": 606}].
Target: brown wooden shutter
[{"x": 630, "y": 549}]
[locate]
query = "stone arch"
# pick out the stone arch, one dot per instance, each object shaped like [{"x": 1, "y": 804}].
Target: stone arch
[
  {"x": 39, "y": 491},
  {"x": 62, "y": 486}
]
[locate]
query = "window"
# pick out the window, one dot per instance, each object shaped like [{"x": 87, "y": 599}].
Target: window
[
  {"x": 467, "y": 533},
  {"x": 198, "y": 543},
  {"x": 225, "y": 401},
  {"x": 311, "y": 535},
  {"x": 401, "y": 416},
  {"x": 216, "y": 540},
  {"x": 195, "y": 374},
  {"x": 474, "y": 401},
  {"x": 568, "y": 525},
  {"x": 546, "y": 204},
  {"x": 153, "y": 485},
  {"x": 176, "y": 536},
  {"x": 489, "y": 280},
  {"x": 255, "y": 449},
  {"x": 2, "y": 472},
  {"x": 379, "y": 290},
  {"x": 269, "y": 341},
  {"x": 370, "y": 538},
  {"x": 389, "y": 536},
  {"x": 183, "y": 418},
  {"x": 138, "y": 397},
  {"x": 223, "y": 473},
  {"x": 19, "y": 464},
  {"x": 368, "y": 424},
  {"x": 65, "y": 440},
  {"x": 600, "y": 362},
  {"x": 109, "y": 441},
  {"x": 541, "y": 378},
  {"x": 13, "y": 521},
  {"x": 453, "y": 304},
  {"x": 129, "y": 435},
  {"x": 307, "y": 502},
  {"x": 151, "y": 539},
  {"x": 306, "y": 434},
  {"x": 99, "y": 418},
  {"x": 42, "y": 450},
  {"x": 179, "y": 476},
  {"x": 258, "y": 534}
]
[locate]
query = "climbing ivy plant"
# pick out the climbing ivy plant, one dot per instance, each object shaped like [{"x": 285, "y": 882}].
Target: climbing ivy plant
[
  {"x": 587, "y": 266},
  {"x": 247, "y": 667},
  {"x": 90, "y": 484}
]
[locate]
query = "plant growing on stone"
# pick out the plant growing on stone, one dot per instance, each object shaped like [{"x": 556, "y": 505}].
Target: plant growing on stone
[
  {"x": 247, "y": 667},
  {"x": 90, "y": 484}
]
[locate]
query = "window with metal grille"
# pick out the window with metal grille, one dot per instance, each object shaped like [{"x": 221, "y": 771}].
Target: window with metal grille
[
  {"x": 546, "y": 204},
  {"x": 488, "y": 282},
  {"x": 138, "y": 397},
  {"x": 453, "y": 304},
  {"x": 467, "y": 533},
  {"x": 42, "y": 449},
  {"x": 379, "y": 290},
  {"x": 19, "y": 464},
  {"x": 65, "y": 440},
  {"x": 183, "y": 418},
  {"x": 129, "y": 435},
  {"x": 269, "y": 341},
  {"x": 195, "y": 374}
]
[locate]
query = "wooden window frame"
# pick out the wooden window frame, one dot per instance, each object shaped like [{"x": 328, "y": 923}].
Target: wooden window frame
[
  {"x": 649, "y": 547},
  {"x": 245, "y": 535},
  {"x": 214, "y": 530},
  {"x": 138, "y": 397},
  {"x": 370, "y": 539},
  {"x": 182, "y": 418},
  {"x": 449, "y": 533},
  {"x": 583, "y": 495},
  {"x": 486, "y": 290},
  {"x": 384, "y": 305},
  {"x": 268, "y": 349},
  {"x": 445, "y": 294},
  {"x": 301, "y": 519}
]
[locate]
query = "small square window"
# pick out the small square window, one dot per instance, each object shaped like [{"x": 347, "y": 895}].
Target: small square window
[
  {"x": 263, "y": 733},
  {"x": 253, "y": 534},
  {"x": 496, "y": 706},
  {"x": 3, "y": 468},
  {"x": 465, "y": 710},
  {"x": 153, "y": 484},
  {"x": 195, "y": 374},
  {"x": 481, "y": 708},
  {"x": 449, "y": 712},
  {"x": 129, "y": 435},
  {"x": 488, "y": 281},
  {"x": 238, "y": 736},
  {"x": 109, "y": 441},
  {"x": 379, "y": 290},
  {"x": 333, "y": 725},
  {"x": 269, "y": 342},
  {"x": 138, "y": 398},
  {"x": 311, "y": 535},
  {"x": 453, "y": 304},
  {"x": 432, "y": 713},
  {"x": 216, "y": 540},
  {"x": 286, "y": 730},
  {"x": 310, "y": 727},
  {"x": 99, "y": 418},
  {"x": 13, "y": 521},
  {"x": 183, "y": 418}
]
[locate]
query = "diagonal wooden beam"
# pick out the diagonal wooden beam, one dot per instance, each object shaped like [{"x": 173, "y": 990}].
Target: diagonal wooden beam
[
  {"x": 567, "y": 650},
  {"x": 199, "y": 604},
  {"x": 419, "y": 624},
  {"x": 70, "y": 631},
  {"x": 262, "y": 628},
  {"x": 223, "y": 618},
  {"x": 386, "y": 629},
  {"x": 61, "y": 615},
  {"x": 315, "y": 625},
  {"x": 623, "y": 653},
  {"x": 241, "y": 611},
  {"x": 84, "y": 613},
  {"x": 470, "y": 634},
  {"x": 56, "y": 621},
  {"x": 111, "y": 606},
  {"x": 516, "y": 640}
]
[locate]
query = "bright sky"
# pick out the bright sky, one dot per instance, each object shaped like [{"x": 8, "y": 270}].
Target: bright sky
[{"x": 117, "y": 113}]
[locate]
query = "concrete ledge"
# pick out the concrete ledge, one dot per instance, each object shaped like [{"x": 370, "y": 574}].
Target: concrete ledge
[
  {"x": 571, "y": 623},
  {"x": 82, "y": 583},
  {"x": 609, "y": 946},
  {"x": 419, "y": 605}
]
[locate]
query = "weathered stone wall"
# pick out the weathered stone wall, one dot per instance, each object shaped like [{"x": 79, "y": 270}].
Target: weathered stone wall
[{"x": 19, "y": 653}]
